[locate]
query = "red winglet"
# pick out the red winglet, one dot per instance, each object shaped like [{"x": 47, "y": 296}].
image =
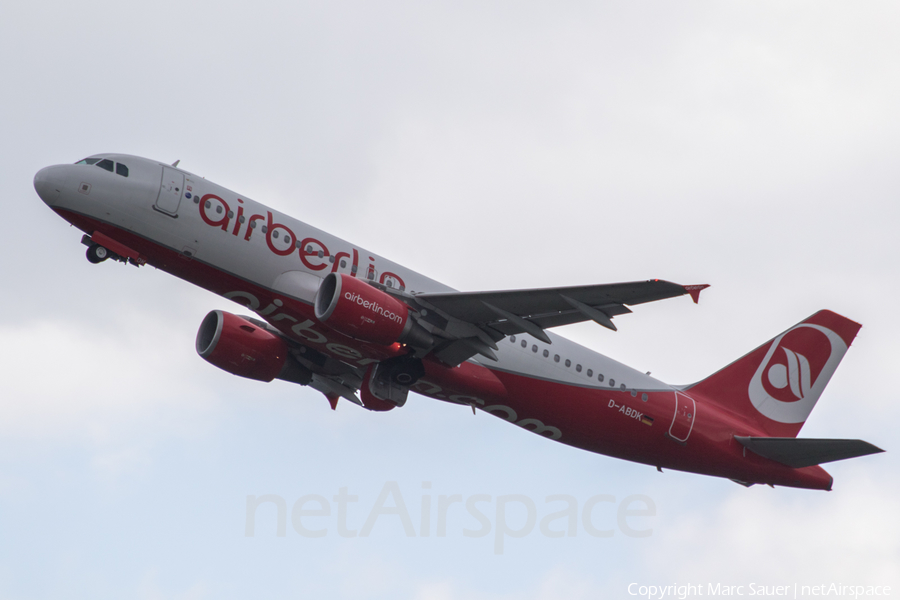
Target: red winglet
[
  {"x": 332, "y": 400},
  {"x": 694, "y": 291}
]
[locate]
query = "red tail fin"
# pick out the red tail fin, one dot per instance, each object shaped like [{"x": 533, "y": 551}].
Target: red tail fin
[{"x": 777, "y": 385}]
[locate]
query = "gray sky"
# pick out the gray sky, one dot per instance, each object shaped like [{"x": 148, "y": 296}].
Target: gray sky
[{"x": 752, "y": 146}]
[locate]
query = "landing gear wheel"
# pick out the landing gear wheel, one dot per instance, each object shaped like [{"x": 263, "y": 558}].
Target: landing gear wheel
[
  {"x": 405, "y": 370},
  {"x": 404, "y": 378},
  {"x": 97, "y": 254}
]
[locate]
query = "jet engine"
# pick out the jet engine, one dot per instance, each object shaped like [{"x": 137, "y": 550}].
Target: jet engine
[
  {"x": 361, "y": 311},
  {"x": 242, "y": 348}
]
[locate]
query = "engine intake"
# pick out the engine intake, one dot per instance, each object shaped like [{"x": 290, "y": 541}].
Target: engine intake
[
  {"x": 243, "y": 348},
  {"x": 361, "y": 311}
]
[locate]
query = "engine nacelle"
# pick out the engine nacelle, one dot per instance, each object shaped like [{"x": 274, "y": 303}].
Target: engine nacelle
[
  {"x": 240, "y": 347},
  {"x": 361, "y": 311}
]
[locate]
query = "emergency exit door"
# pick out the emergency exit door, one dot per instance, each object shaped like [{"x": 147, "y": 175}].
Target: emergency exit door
[{"x": 683, "y": 420}]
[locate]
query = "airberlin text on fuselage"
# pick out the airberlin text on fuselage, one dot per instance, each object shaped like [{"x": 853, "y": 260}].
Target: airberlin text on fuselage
[
  {"x": 282, "y": 241},
  {"x": 305, "y": 331},
  {"x": 302, "y": 329}
]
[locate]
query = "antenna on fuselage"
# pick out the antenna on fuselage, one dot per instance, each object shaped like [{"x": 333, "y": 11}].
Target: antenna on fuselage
[{"x": 175, "y": 164}]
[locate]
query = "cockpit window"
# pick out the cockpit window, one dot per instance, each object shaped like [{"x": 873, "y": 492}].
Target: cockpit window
[{"x": 105, "y": 163}]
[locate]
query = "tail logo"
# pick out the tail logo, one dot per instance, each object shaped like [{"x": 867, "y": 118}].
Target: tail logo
[
  {"x": 795, "y": 370},
  {"x": 795, "y": 373}
]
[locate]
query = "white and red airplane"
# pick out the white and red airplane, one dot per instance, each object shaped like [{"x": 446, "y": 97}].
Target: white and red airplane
[{"x": 347, "y": 321}]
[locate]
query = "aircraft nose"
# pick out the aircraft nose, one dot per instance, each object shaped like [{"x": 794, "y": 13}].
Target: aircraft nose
[{"x": 47, "y": 184}]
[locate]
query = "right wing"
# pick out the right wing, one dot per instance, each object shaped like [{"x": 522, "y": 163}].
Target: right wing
[{"x": 472, "y": 322}]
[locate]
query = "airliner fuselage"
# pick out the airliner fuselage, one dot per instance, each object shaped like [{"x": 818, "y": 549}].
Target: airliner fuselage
[{"x": 346, "y": 320}]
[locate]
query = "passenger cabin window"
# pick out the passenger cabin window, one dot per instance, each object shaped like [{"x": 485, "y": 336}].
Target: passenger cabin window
[
  {"x": 106, "y": 164},
  {"x": 121, "y": 170}
]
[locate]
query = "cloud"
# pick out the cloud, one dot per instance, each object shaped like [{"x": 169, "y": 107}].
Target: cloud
[
  {"x": 76, "y": 380},
  {"x": 848, "y": 535},
  {"x": 150, "y": 588},
  {"x": 558, "y": 581}
]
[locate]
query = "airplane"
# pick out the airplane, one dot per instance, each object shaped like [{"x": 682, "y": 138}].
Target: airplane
[{"x": 355, "y": 325}]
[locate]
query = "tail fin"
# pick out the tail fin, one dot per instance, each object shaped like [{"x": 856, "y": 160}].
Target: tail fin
[{"x": 777, "y": 385}]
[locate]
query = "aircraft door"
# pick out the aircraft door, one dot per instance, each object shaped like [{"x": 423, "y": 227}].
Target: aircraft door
[
  {"x": 170, "y": 191},
  {"x": 683, "y": 421}
]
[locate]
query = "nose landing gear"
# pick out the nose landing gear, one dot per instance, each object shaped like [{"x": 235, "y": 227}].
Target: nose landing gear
[
  {"x": 101, "y": 248},
  {"x": 97, "y": 254}
]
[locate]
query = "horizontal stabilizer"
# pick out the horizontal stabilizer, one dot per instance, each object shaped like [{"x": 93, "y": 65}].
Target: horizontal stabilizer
[{"x": 799, "y": 452}]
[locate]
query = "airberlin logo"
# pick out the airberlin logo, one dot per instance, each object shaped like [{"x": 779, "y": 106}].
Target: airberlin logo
[
  {"x": 794, "y": 375},
  {"x": 373, "y": 306},
  {"x": 283, "y": 241},
  {"x": 795, "y": 370}
]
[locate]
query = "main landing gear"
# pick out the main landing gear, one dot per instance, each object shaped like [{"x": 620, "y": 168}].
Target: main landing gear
[
  {"x": 391, "y": 379},
  {"x": 403, "y": 370}
]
